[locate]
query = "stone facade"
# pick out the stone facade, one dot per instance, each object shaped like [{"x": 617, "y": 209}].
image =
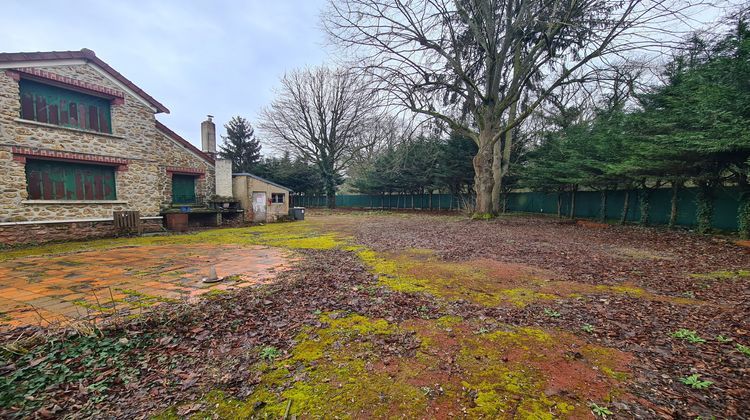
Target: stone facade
[{"x": 142, "y": 184}]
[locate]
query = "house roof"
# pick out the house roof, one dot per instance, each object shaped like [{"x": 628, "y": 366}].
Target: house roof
[
  {"x": 176, "y": 137},
  {"x": 88, "y": 56},
  {"x": 261, "y": 180}
]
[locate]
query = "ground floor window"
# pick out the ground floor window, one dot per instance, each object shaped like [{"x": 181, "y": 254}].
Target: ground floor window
[
  {"x": 183, "y": 189},
  {"x": 52, "y": 180},
  {"x": 277, "y": 198}
]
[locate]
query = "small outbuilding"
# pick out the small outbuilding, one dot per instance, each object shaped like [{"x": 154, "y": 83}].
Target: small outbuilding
[{"x": 262, "y": 200}]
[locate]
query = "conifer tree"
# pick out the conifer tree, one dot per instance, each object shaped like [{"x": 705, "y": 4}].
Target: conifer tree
[{"x": 240, "y": 145}]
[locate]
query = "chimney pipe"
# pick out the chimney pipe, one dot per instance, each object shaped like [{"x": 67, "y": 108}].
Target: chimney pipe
[{"x": 208, "y": 135}]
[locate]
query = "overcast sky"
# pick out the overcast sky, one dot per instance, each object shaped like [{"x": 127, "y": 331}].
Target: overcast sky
[
  {"x": 209, "y": 57},
  {"x": 196, "y": 57}
]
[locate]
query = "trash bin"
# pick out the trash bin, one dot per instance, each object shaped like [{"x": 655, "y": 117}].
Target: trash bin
[{"x": 298, "y": 213}]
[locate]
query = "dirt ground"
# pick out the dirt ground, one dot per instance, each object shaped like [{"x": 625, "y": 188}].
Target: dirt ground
[{"x": 408, "y": 315}]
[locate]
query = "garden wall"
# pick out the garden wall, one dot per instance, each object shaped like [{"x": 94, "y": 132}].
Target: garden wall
[
  {"x": 34, "y": 233},
  {"x": 725, "y": 202}
]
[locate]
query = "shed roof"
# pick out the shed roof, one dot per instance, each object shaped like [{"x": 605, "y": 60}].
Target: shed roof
[
  {"x": 88, "y": 56},
  {"x": 261, "y": 180}
]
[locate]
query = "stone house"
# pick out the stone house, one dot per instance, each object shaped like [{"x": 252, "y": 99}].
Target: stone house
[
  {"x": 261, "y": 199},
  {"x": 79, "y": 141}
]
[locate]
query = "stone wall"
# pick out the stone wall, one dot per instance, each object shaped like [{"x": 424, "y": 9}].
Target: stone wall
[
  {"x": 39, "y": 233},
  {"x": 177, "y": 156},
  {"x": 144, "y": 184}
]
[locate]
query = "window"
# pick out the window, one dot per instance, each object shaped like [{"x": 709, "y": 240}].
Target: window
[
  {"x": 63, "y": 107},
  {"x": 52, "y": 180},
  {"x": 277, "y": 198},
  {"x": 183, "y": 189}
]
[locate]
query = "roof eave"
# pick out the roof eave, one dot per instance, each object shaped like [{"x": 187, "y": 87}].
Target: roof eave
[
  {"x": 262, "y": 180},
  {"x": 177, "y": 138},
  {"x": 89, "y": 56}
]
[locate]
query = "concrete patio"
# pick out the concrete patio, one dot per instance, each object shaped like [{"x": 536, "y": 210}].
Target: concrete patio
[{"x": 63, "y": 287}]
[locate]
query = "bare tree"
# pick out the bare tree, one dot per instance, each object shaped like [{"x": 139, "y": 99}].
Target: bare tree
[
  {"x": 470, "y": 62},
  {"x": 324, "y": 116}
]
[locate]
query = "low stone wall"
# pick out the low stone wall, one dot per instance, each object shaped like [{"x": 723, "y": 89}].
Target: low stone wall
[{"x": 39, "y": 233}]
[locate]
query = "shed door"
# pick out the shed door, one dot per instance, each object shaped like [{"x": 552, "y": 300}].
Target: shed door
[
  {"x": 183, "y": 189},
  {"x": 259, "y": 206}
]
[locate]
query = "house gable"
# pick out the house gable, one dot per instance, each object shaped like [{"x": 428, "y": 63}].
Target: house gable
[{"x": 34, "y": 60}]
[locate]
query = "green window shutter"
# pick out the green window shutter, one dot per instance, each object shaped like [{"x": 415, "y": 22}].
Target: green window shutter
[
  {"x": 52, "y": 180},
  {"x": 183, "y": 189},
  {"x": 67, "y": 108}
]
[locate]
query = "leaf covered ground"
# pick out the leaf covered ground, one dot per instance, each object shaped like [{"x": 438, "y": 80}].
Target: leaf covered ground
[{"x": 419, "y": 316}]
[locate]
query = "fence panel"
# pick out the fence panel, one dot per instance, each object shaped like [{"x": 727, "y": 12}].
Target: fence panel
[{"x": 588, "y": 204}]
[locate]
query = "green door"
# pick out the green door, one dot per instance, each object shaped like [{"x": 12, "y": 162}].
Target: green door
[{"x": 183, "y": 189}]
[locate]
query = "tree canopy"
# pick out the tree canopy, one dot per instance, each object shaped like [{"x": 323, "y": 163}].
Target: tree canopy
[
  {"x": 694, "y": 128},
  {"x": 240, "y": 145}
]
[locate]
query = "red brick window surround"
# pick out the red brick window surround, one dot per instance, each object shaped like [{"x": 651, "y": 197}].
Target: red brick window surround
[
  {"x": 20, "y": 154},
  {"x": 59, "y": 180},
  {"x": 183, "y": 170},
  {"x": 59, "y": 100},
  {"x": 54, "y": 105},
  {"x": 66, "y": 82}
]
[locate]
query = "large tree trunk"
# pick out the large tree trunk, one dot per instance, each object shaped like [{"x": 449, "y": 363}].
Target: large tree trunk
[
  {"x": 676, "y": 185},
  {"x": 573, "y": 202},
  {"x": 483, "y": 178},
  {"x": 332, "y": 200},
  {"x": 330, "y": 186},
  {"x": 559, "y": 205},
  {"x": 625, "y": 208},
  {"x": 603, "y": 206},
  {"x": 501, "y": 155},
  {"x": 705, "y": 210},
  {"x": 743, "y": 211},
  {"x": 644, "y": 201}
]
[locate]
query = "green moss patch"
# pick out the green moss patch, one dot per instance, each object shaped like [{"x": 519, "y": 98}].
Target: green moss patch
[
  {"x": 329, "y": 373},
  {"x": 420, "y": 271},
  {"x": 297, "y": 235},
  {"x": 485, "y": 282},
  {"x": 356, "y": 366}
]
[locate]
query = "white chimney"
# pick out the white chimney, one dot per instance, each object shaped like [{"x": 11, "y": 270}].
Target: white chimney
[
  {"x": 223, "y": 173},
  {"x": 208, "y": 135}
]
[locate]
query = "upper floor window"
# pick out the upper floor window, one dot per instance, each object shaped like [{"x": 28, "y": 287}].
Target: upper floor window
[{"x": 67, "y": 108}]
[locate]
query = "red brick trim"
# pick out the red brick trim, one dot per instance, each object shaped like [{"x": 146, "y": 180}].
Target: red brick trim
[
  {"x": 20, "y": 154},
  {"x": 70, "y": 83},
  {"x": 13, "y": 75},
  {"x": 184, "y": 170},
  {"x": 89, "y": 56},
  {"x": 174, "y": 136}
]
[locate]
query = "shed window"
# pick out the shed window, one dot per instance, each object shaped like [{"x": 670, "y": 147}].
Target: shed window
[
  {"x": 277, "y": 198},
  {"x": 54, "y": 105},
  {"x": 52, "y": 180}
]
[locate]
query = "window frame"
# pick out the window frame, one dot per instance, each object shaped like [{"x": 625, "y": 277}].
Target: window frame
[
  {"x": 194, "y": 179},
  {"x": 273, "y": 198},
  {"x": 61, "y": 180},
  {"x": 63, "y": 107}
]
